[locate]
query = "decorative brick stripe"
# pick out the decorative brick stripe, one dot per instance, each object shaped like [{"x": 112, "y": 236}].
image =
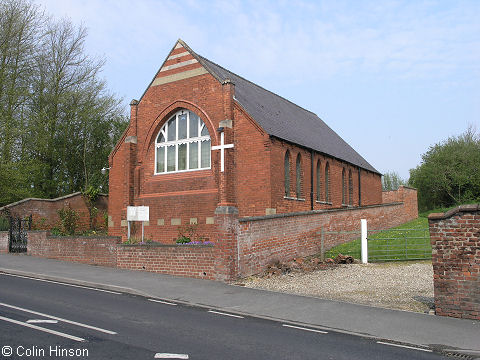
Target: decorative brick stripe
[{"x": 179, "y": 76}]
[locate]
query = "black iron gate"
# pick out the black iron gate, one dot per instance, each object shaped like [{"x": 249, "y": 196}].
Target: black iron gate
[{"x": 18, "y": 234}]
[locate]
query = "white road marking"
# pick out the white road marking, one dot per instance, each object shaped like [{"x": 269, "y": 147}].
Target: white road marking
[
  {"x": 60, "y": 283},
  {"x": 222, "y": 313},
  {"x": 162, "y": 302},
  {"x": 59, "y": 319},
  {"x": 170, "y": 356},
  {"x": 58, "y": 333},
  {"x": 404, "y": 346},
  {"x": 42, "y": 321},
  {"x": 306, "y": 329}
]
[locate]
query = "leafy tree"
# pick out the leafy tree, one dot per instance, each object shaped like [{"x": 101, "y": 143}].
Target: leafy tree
[
  {"x": 449, "y": 173},
  {"x": 19, "y": 23},
  {"x": 58, "y": 121},
  {"x": 392, "y": 181}
]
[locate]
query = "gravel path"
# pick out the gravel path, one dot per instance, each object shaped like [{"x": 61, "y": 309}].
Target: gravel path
[{"x": 394, "y": 285}]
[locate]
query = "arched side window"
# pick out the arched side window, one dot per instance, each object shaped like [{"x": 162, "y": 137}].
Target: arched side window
[
  {"x": 287, "y": 173},
  {"x": 327, "y": 182},
  {"x": 183, "y": 144},
  {"x": 344, "y": 188},
  {"x": 359, "y": 187},
  {"x": 319, "y": 185},
  {"x": 350, "y": 188},
  {"x": 299, "y": 176}
]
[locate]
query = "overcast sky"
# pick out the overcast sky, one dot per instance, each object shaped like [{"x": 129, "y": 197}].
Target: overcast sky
[{"x": 390, "y": 77}]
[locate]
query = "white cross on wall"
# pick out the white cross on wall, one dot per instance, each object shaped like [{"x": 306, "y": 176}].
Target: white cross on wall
[{"x": 222, "y": 147}]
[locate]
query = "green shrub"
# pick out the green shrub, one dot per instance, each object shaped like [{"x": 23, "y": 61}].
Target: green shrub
[
  {"x": 183, "y": 240},
  {"x": 105, "y": 219},
  {"x": 90, "y": 195},
  {"x": 4, "y": 223},
  {"x": 187, "y": 234},
  {"x": 68, "y": 220},
  {"x": 40, "y": 224},
  {"x": 132, "y": 241}
]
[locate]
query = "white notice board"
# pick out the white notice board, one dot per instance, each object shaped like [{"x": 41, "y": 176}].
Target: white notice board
[{"x": 138, "y": 213}]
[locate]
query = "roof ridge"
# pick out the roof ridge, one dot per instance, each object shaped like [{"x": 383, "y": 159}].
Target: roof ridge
[
  {"x": 261, "y": 87},
  {"x": 362, "y": 162}
]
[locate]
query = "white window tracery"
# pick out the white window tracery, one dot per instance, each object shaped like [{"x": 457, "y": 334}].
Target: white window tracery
[{"x": 182, "y": 144}]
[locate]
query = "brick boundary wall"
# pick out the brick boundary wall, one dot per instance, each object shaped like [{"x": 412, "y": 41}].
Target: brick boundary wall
[
  {"x": 4, "y": 235},
  {"x": 285, "y": 236},
  {"x": 455, "y": 239},
  {"x": 101, "y": 250},
  {"x": 197, "y": 261},
  {"x": 242, "y": 246},
  {"x": 405, "y": 194},
  {"x": 45, "y": 211}
]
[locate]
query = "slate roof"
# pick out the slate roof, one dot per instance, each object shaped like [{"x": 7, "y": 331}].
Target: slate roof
[{"x": 285, "y": 120}]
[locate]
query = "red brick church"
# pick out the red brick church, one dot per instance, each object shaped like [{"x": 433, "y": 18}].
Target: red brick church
[{"x": 204, "y": 142}]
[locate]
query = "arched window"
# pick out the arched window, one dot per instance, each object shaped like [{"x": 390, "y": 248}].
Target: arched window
[
  {"x": 299, "y": 176},
  {"x": 344, "y": 188},
  {"x": 327, "y": 182},
  {"x": 318, "y": 181},
  {"x": 350, "y": 188},
  {"x": 287, "y": 173},
  {"x": 183, "y": 144}
]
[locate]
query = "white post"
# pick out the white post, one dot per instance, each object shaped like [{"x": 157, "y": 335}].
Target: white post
[{"x": 364, "y": 241}]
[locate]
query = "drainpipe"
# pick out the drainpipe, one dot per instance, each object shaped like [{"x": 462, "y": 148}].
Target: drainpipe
[{"x": 311, "y": 180}]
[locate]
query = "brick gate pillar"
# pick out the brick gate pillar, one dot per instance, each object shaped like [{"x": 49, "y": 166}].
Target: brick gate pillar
[
  {"x": 226, "y": 261},
  {"x": 455, "y": 239}
]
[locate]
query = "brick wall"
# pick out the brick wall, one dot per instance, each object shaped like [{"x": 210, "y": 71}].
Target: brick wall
[
  {"x": 197, "y": 261},
  {"x": 369, "y": 193},
  {"x": 262, "y": 240},
  {"x": 455, "y": 238},
  {"x": 82, "y": 249},
  {"x": 3, "y": 241},
  {"x": 404, "y": 194},
  {"x": 252, "y": 172},
  {"x": 45, "y": 211},
  {"x": 242, "y": 246}
]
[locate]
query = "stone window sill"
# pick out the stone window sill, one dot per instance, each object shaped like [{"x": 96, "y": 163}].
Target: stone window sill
[{"x": 292, "y": 198}]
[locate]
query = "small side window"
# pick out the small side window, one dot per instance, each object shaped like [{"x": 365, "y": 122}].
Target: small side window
[
  {"x": 287, "y": 173},
  {"x": 299, "y": 176}
]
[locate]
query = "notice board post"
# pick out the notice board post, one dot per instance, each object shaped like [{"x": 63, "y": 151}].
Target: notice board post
[{"x": 137, "y": 213}]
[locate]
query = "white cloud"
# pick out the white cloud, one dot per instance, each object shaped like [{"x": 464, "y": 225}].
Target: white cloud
[
  {"x": 319, "y": 39},
  {"x": 362, "y": 65}
]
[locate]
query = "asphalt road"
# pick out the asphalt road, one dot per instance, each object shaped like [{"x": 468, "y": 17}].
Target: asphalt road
[{"x": 47, "y": 320}]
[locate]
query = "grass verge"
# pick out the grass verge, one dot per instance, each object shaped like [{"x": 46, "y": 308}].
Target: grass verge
[{"x": 410, "y": 241}]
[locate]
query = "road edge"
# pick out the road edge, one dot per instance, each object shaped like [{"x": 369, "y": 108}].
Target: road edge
[{"x": 472, "y": 354}]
